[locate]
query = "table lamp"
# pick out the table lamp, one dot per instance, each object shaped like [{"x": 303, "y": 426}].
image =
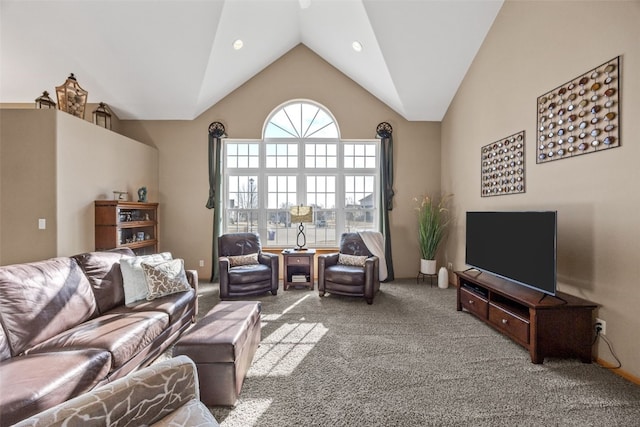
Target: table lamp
[{"x": 301, "y": 214}]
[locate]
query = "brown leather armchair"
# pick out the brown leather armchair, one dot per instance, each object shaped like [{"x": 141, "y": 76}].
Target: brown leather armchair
[
  {"x": 244, "y": 269},
  {"x": 353, "y": 280}
]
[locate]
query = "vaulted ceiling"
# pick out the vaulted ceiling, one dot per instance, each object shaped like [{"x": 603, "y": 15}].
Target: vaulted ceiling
[{"x": 172, "y": 59}]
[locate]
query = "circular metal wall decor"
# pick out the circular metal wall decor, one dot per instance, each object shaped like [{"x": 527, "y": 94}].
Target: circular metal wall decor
[
  {"x": 384, "y": 130},
  {"x": 502, "y": 166},
  {"x": 582, "y": 116},
  {"x": 216, "y": 129}
]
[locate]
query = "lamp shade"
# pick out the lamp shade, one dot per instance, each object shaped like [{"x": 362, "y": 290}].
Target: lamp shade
[{"x": 301, "y": 213}]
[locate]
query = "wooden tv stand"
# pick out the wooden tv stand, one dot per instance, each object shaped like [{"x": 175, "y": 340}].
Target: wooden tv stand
[{"x": 547, "y": 326}]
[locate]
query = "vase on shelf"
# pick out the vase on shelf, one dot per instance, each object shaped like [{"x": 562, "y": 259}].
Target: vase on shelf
[
  {"x": 443, "y": 278},
  {"x": 428, "y": 266}
]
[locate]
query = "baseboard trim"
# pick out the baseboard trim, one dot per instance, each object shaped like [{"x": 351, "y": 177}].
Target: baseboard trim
[{"x": 620, "y": 372}]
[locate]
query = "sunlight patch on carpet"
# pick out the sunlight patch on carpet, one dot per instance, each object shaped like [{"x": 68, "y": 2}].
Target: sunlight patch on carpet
[
  {"x": 283, "y": 350},
  {"x": 246, "y": 413},
  {"x": 275, "y": 316}
]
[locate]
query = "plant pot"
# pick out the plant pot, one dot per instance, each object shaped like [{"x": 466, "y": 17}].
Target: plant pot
[
  {"x": 428, "y": 266},
  {"x": 443, "y": 278}
]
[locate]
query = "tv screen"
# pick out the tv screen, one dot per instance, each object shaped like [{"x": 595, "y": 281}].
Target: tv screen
[{"x": 517, "y": 246}]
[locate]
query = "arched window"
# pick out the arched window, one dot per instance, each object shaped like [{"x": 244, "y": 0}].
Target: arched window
[
  {"x": 300, "y": 160},
  {"x": 301, "y": 119}
]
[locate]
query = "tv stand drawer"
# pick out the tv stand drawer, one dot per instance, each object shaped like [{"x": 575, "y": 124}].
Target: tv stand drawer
[
  {"x": 511, "y": 324},
  {"x": 474, "y": 303}
]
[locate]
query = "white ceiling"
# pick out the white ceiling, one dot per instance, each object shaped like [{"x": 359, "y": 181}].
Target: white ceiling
[{"x": 172, "y": 59}]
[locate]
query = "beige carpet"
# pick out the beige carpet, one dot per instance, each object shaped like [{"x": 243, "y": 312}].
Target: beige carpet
[{"x": 409, "y": 360}]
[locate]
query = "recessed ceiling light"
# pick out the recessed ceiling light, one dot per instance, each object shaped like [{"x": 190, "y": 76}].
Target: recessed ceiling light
[
  {"x": 237, "y": 45},
  {"x": 357, "y": 46}
]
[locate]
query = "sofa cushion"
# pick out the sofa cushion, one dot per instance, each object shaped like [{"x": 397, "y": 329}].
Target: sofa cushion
[
  {"x": 165, "y": 278},
  {"x": 41, "y": 299},
  {"x": 249, "y": 274},
  {"x": 345, "y": 275},
  {"x": 124, "y": 334},
  {"x": 192, "y": 413},
  {"x": 103, "y": 272},
  {"x": 30, "y": 385},
  {"x": 135, "y": 286},
  {"x": 175, "y": 305}
]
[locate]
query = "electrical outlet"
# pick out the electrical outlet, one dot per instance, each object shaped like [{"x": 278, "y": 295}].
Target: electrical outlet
[
  {"x": 201, "y": 263},
  {"x": 600, "y": 326},
  {"x": 449, "y": 266}
]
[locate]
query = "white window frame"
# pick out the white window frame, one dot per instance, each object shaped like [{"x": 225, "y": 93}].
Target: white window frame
[{"x": 260, "y": 174}]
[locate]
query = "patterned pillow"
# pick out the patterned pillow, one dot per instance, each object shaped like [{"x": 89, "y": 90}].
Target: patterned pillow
[
  {"x": 235, "y": 261},
  {"x": 133, "y": 281},
  {"x": 353, "y": 260},
  {"x": 165, "y": 278}
]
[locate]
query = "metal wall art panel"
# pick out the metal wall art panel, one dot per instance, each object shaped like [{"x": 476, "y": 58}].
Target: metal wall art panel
[
  {"x": 581, "y": 116},
  {"x": 503, "y": 166}
]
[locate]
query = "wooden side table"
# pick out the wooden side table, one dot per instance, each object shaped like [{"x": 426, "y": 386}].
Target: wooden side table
[{"x": 298, "y": 268}]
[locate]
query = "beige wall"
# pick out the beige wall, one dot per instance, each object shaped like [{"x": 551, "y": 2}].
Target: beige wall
[
  {"x": 28, "y": 185},
  {"x": 92, "y": 162},
  {"x": 184, "y": 188},
  {"x": 53, "y": 166},
  {"x": 534, "y": 47}
]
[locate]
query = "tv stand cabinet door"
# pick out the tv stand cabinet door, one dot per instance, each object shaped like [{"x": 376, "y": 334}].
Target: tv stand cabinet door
[{"x": 564, "y": 333}]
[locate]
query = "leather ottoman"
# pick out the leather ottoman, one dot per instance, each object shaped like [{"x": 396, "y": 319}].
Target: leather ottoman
[{"x": 222, "y": 345}]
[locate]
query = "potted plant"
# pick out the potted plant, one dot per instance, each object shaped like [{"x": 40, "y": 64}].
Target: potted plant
[{"x": 433, "y": 220}]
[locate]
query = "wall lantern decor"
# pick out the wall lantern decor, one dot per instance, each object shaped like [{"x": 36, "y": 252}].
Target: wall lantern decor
[
  {"x": 102, "y": 116},
  {"x": 502, "y": 166},
  {"x": 72, "y": 98},
  {"x": 581, "y": 116},
  {"x": 44, "y": 101}
]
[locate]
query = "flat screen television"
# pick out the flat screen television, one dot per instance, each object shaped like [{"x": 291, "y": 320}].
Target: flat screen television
[{"x": 517, "y": 246}]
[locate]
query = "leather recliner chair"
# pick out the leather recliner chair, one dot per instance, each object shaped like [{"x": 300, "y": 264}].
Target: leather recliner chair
[
  {"x": 352, "y": 280},
  {"x": 240, "y": 273}
]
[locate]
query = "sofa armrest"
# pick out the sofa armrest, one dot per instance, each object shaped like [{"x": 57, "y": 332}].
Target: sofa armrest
[
  {"x": 324, "y": 261},
  {"x": 192, "y": 278},
  {"x": 224, "y": 266},
  {"x": 273, "y": 262},
  {"x": 141, "y": 398}
]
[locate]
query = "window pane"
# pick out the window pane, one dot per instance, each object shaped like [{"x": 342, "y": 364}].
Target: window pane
[
  {"x": 320, "y": 155},
  {"x": 281, "y": 155},
  {"x": 242, "y": 155},
  {"x": 282, "y": 192},
  {"x": 320, "y": 190},
  {"x": 360, "y": 156},
  {"x": 242, "y": 203}
]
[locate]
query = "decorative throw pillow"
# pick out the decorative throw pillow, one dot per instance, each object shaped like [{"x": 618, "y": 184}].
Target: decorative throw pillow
[
  {"x": 235, "y": 261},
  {"x": 135, "y": 286},
  {"x": 353, "y": 260},
  {"x": 165, "y": 278}
]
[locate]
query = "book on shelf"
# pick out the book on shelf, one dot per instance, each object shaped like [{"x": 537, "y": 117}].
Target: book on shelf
[{"x": 298, "y": 278}]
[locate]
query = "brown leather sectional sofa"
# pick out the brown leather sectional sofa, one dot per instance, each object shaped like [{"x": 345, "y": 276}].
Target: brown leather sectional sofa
[{"x": 65, "y": 329}]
